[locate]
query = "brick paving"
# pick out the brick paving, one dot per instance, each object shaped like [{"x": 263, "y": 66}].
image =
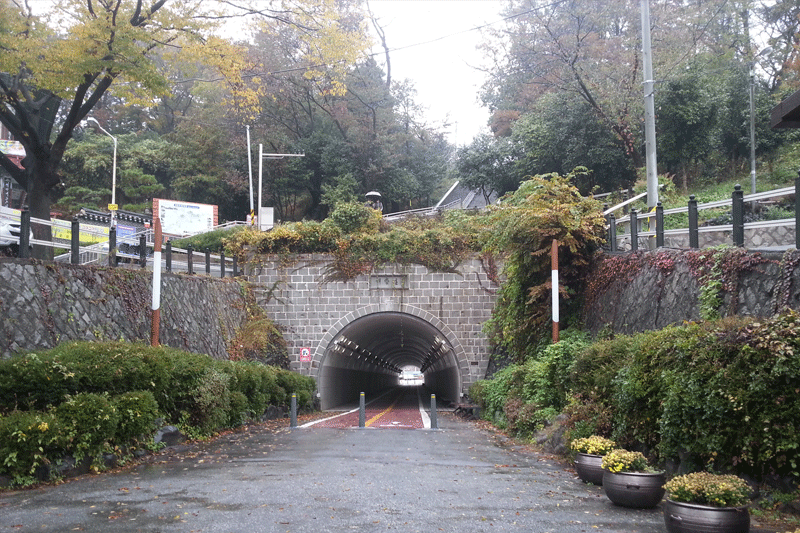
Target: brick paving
[{"x": 401, "y": 408}]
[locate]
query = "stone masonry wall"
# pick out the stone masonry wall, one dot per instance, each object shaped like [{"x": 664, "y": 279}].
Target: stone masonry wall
[
  {"x": 294, "y": 295},
  {"x": 652, "y": 300},
  {"x": 44, "y": 304}
]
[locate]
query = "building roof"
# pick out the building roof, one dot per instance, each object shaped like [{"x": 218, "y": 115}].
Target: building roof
[
  {"x": 787, "y": 113},
  {"x": 468, "y": 198}
]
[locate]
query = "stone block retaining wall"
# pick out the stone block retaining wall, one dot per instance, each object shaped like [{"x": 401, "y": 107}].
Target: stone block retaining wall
[
  {"x": 44, "y": 304},
  {"x": 653, "y": 300}
]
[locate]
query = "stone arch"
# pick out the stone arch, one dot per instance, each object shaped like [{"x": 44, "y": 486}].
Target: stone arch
[{"x": 343, "y": 366}]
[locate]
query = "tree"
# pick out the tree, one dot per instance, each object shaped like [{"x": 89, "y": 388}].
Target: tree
[
  {"x": 560, "y": 134},
  {"x": 686, "y": 131},
  {"x": 97, "y": 45},
  {"x": 487, "y": 165},
  {"x": 371, "y": 132},
  {"x": 591, "y": 51}
]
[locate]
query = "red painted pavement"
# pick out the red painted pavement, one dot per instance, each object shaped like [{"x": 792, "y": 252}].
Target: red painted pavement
[{"x": 398, "y": 409}]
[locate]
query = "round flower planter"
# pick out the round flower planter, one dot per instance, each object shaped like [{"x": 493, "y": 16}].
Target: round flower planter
[
  {"x": 642, "y": 490},
  {"x": 682, "y": 517},
  {"x": 588, "y": 468}
]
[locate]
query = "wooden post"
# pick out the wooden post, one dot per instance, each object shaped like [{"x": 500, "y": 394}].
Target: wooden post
[{"x": 554, "y": 264}]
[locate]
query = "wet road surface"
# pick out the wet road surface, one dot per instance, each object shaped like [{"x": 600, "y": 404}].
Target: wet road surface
[{"x": 459, "y": 478}]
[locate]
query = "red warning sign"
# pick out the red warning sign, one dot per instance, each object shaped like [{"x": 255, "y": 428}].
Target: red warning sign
[{"x": 305, "y": 355}]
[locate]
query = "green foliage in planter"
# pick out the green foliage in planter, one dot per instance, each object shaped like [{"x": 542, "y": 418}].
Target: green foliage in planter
[
  {"x": 92, "y": 420},
  {"x": 621, "y": 460},
  {"x": 704, "y": 488},
  {"x": 28, "y": 439},
  {"x": 594, "y": 445},
  {"x": 137, "y": 412}
]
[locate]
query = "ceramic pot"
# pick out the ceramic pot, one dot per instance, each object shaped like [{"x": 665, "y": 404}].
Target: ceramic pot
[
  {"x": 682, "y": 517},
  {"x": 642, "y": 490},
  {"x": 589, "y": 469}
]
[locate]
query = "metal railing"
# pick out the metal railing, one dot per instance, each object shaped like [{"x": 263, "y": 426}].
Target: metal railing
[
  {"x": 131, "y": 250},
  {"x": 736, "y": 229}
]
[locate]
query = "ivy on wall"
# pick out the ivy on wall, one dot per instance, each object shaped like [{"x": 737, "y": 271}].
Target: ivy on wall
[{"x": 718, "y": 272}]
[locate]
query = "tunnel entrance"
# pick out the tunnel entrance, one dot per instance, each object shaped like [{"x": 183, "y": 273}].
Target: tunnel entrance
[{"x": 369, "y": 354}]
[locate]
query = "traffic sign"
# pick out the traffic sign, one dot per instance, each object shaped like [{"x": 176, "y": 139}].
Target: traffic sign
[{"x": 305, "y": 355}]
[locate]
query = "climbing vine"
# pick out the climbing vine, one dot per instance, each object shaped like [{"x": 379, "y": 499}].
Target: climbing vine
[
  {"x": 718, "y": 272},
  {"x": 359, "y": 241}
]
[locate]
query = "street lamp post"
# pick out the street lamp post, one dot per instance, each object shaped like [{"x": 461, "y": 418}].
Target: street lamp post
[
  {"x": 113, "y": 206},
  {"x": 753, "y": 117}
]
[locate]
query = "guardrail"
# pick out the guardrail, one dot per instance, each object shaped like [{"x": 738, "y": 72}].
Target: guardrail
[
  {"x": 736, "y": 230},
  {"x": 132, "y": 250}
]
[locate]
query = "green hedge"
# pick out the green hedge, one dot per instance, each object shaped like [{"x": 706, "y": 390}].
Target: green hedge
[
  {"x": 83, "y": 398},
  {"x": 720, "y": 395}
]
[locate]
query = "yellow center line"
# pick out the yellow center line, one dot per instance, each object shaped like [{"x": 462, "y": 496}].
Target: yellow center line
[{"x": 376, "y": 417}]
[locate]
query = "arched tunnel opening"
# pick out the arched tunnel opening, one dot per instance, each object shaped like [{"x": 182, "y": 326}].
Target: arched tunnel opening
[{"x": 369, "y": 354}]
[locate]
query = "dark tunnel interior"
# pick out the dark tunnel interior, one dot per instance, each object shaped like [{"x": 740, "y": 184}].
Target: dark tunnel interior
[{"x": 368, "y": 356}]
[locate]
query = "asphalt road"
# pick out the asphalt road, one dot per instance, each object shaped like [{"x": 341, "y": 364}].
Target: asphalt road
[{"x": 459, "y": 478}]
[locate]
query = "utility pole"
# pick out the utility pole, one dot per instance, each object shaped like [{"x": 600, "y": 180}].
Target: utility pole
[{"x": 649, "y": 110}]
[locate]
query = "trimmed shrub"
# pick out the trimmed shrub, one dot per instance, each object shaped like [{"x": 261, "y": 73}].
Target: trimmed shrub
[
  {"x": 28, "y": 439},
  {"x": 211, "y": 401},
  {"x": 238, "y": 412},
  {"x": 137, "y": 412},
  {"x": 34, "y": 381},
  {"x": 291, "y": 382},
  {"x": 192, "y": 388},
  {"x": 91, "y": 421}
]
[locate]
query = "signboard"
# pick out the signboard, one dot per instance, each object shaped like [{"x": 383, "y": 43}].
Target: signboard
[
  {"x": 9, "y": 147},
  {"x": 305, "y": 355},
  {"x": 388, "y": 281},
  {"x": 185, "y": 218},
  {"x": 126, "y": 234},
  {"x": 7, "y": 192},
  {"x": 266, "y": 218},
  {"x": 62, "y": 231}
]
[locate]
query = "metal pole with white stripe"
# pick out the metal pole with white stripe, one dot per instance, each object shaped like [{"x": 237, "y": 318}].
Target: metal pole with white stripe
[
  {"x": 554, "y": 265},
  {"x": 155, "y": 318}
]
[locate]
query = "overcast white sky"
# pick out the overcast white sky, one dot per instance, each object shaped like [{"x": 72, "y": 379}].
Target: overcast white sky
[{"x": 434, "y": 48}]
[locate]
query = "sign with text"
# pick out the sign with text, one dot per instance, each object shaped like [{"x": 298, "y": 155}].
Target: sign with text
[
  {"x": 62, "y": 231},
  {"x": 185, "y": 218},
  {"x": 388, "y": 281}
]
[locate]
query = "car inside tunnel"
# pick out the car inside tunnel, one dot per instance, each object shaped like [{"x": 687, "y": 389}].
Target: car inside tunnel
[{"x": 369, "y": 354}]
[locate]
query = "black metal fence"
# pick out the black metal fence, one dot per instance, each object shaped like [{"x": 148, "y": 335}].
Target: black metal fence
[
  {"x": 173, "y": 260},
  {"x": 736, "y": 228}
]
